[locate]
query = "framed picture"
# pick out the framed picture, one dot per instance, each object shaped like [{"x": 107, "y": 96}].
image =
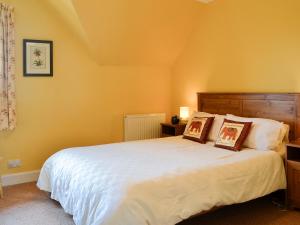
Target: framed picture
[{"x": 37, "y": 58}]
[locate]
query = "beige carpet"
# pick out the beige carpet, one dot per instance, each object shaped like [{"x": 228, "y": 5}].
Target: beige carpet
[{"x": 25, "y": 205}]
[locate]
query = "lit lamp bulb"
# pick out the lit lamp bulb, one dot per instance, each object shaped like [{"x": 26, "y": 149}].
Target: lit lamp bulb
[{"x": 184, "y": 113}]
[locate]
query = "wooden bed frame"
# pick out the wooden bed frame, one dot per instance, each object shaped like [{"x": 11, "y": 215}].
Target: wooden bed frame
[{"x": 284, "y": 107}]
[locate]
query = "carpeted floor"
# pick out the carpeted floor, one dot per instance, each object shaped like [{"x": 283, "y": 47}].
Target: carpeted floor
[{"x": 25, "y": 205}]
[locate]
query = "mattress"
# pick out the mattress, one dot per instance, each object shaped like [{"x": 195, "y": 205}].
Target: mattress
[{"x": 156, "y": 182}]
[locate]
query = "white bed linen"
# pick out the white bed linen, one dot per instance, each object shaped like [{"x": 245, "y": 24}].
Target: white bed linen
[
  {"x": 156, "y": 182},
  {"x": 281, "y": 150}
]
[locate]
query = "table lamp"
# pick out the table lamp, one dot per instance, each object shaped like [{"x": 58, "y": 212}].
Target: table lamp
[{"x": 184, "y": 114}]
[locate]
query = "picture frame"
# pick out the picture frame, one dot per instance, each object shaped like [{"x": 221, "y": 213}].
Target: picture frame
[{"x": 37, "y": 57}]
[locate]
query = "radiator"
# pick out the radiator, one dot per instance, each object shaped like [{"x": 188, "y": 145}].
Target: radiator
[{"x": 143, "y": 126}]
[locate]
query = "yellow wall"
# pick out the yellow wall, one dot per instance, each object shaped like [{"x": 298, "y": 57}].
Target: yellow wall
[
  {"x": 240, "y": 45},
  {"x": 249, "y": 46},
  {"x": 83, "y": 103}
]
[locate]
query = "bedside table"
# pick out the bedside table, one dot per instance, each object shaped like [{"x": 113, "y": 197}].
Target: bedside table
[
  {"x": 168, "y": 129},
  {"x": 293, "y": 173}
]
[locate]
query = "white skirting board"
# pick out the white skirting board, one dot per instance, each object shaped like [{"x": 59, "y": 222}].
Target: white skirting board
[{"x": 19, "y": 178}]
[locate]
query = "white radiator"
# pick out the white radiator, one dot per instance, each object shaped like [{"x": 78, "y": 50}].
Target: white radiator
[{"x": 143, "y": 126}]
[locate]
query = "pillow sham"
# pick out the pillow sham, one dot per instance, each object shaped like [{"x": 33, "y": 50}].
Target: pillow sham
[
  {"x": 266, "y": 134},
  {"x": 233, "y": 134},
  {"x": 197, "y": 128},
  {"x": 216, "y": 126}
]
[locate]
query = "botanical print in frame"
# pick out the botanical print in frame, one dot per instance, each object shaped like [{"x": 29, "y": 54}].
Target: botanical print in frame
[{"x": 37, "y": 58}]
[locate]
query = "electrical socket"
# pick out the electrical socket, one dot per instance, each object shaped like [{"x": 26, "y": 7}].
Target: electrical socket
[{"x": 14, "y": 163}]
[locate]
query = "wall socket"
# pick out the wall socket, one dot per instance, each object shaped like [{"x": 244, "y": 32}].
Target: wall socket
[{"x": 14, "y": 163}]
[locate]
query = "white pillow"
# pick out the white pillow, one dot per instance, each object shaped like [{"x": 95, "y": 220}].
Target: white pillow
[
  {"x": 265, "y": 134},
  {"x": 281, "y": 150},
  {"x": 285, "y": 133},
  {"x": 216, "y": 126}
]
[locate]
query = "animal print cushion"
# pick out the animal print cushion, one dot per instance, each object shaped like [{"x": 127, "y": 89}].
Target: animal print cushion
[
  {"x": 197, "y": 129},
  {"x": 233, "y": 134}
]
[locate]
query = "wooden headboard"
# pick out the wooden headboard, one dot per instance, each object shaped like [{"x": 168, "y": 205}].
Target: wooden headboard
[{"x": 284, "y": 107}]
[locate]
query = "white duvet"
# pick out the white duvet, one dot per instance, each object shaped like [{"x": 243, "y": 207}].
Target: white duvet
[{"x": 156, "y": 182}]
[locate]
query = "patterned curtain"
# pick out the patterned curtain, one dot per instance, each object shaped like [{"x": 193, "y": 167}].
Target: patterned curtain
[{"x": 7, "y": 68}]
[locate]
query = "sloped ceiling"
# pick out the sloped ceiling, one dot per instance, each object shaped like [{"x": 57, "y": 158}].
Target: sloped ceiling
[
  {"x": 66, "y": 11},
  {"x": 131, "y": 32}
]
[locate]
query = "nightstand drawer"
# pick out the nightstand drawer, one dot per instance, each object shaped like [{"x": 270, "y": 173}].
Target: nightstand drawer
[
  {"x": 168, "y": 130},
  {"x": 293, "y": 175}
]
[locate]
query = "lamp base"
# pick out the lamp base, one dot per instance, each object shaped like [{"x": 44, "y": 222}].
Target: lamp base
[{"x": 183, "y": 121}]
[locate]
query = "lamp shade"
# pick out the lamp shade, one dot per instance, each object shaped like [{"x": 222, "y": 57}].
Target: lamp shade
[{"x": 184, "y": 112}]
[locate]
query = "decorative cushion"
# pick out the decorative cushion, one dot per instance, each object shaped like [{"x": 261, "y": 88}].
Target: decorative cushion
[
  {"x": 198, "y": 128},
  {"x": 216, "y": 126},
  {"x": 266, "y": 134},
  {"x": 233, "y": 134}
]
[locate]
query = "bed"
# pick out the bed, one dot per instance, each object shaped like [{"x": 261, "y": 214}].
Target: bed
[{"x": 164, "y": 181}]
